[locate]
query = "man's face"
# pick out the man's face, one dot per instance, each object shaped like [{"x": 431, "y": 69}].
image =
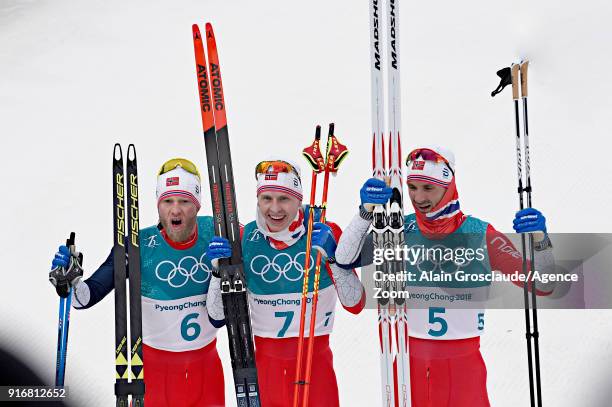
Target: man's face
[
  {"x": 178, "y": 217},
  {"x": 278, "y": 209},
  {"x": 425, "y": 196}
]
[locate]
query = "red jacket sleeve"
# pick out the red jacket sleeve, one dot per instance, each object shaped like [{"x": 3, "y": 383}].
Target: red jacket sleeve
[{"x": 504, "y": 257}]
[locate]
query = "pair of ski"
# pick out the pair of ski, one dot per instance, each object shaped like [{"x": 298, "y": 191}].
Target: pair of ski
[
  {"x": 513, "y": 75},
  {"x": 225, "y": 215},
  {"x": 335, "y": 155},
  {"x": 388, "y": 220},
  {"x": 126, "y": 228}
]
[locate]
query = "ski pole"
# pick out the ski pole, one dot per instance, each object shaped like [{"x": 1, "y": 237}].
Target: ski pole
[
  {"x": 315, "y": 159},
  {"x": 65, "y": 302},
  {"x": 534, "y": 308},
  {"x": 336, "y": 153},
  {"x": 510, "y": 76}
]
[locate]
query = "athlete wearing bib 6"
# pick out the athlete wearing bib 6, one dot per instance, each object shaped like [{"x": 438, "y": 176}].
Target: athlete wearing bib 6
[
  {"x": 182, "y": 367},
  {"x": 446, "y": 367},
  {"x": 274, "y": 250}
]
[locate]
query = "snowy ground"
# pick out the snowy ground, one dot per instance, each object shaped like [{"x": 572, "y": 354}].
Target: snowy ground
[{"x": 76, "y": 77}]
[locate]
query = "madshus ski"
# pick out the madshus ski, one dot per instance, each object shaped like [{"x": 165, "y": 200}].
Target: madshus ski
[
  {"x": 225, "y": 214},
  {"x": 388, "y": 221},
  {"x": 129, "y": 378}
]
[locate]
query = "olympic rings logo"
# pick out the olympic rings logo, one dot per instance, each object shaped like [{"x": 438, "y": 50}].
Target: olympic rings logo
[
  {"x": 281, "y": 265},
  {"x": 188, "y": 268},
  {"x": 437, "y": 262}
]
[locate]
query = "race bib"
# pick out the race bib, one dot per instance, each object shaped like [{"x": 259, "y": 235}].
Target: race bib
[
  {"x": 176, "y": 325},
  {"x": 278, "y": 315}
]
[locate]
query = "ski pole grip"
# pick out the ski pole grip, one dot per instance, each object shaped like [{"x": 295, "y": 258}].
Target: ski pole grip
[
  {"x": 70, "y": 242},
  {"x": 336, "y": 152},
  {"x": 524, "y": 66},
  {"x": 515, "y": 81},
  {"x": 313, "y": 155}
]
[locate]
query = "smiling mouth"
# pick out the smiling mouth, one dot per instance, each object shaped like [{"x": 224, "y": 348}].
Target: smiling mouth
[{"x": 276, "y": 218}]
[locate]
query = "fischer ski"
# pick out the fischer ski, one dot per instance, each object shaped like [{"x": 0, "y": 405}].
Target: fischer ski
[
  {"x": 388, "y": 221},
  {"x": 131, "y": 383},
  {"x": 225, "y": 214}
]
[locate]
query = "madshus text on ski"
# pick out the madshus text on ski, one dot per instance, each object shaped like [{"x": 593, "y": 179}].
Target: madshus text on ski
[{"x": 190, "y": 275}]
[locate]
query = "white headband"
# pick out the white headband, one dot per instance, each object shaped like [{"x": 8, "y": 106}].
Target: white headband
[
  {"x": 431, "y": 172},
  {"x": 181, "y": 183},
  {"x": 283, "y": 182}
]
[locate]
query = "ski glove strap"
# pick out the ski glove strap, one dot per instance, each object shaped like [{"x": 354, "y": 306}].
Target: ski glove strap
[
  {"x": 365, "y": 214},
  {"x": 544, "y": 244}
]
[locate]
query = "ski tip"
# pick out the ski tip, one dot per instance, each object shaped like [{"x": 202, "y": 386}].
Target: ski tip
[
  {"x": 131, "y": 152},
  {"x": 318, "y": 132},
  {"x": 196, "y": 32},
  {"x": 331, "y": 129},
  {"x": 209, "y": 30},
  {"x": 117, "y": 154}
]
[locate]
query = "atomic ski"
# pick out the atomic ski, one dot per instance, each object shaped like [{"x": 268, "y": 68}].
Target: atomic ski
[
  {"x": 388, "y": 221},
  {"x": 123, "y": 184},
  {"x": 225, "y": 214}
]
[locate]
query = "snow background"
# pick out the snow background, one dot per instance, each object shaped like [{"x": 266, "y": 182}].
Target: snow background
[{"x": 76, "y": 77}]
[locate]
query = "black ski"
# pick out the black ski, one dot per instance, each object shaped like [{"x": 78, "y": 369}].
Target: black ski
[
  {"x": 123, "y": 185},
  {"x": 223, "y": 198}
]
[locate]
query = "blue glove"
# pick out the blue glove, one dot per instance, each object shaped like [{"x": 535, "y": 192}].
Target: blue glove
[
  {"x": 374, "y": 192},
  {"x": 62, "y": 258},
  {"x": 218, "y": 248},
  {"x": 66, "y": 270},
  {"x": 529, "y": 220},
  {"x": 323, "y": 240}
]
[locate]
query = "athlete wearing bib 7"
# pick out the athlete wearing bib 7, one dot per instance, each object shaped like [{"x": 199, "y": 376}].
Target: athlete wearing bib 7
[{"x": 274, "y": 250}]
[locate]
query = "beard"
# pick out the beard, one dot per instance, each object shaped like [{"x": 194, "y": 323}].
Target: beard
[{"x": 181, "y": 235}]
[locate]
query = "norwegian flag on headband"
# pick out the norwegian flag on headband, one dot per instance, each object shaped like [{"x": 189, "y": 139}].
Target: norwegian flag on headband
[
  {"x": 418, "y": 165},
  {"x": 172, "y": 181},
  {"x": 271, "y": 177}
]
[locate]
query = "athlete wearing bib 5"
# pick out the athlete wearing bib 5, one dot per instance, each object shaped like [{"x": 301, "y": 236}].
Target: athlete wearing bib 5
[
  {"x": 274, "y": 250},
  {"x": 446, "y": 367},
  {"x": 182, "y": 367}
]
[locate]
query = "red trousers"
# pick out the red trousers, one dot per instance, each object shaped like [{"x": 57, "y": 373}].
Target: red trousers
[
  {"x": 276, "y": 363},
  {"x": 183, "y": 379},
  {"x": 448, "y": 373}
]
